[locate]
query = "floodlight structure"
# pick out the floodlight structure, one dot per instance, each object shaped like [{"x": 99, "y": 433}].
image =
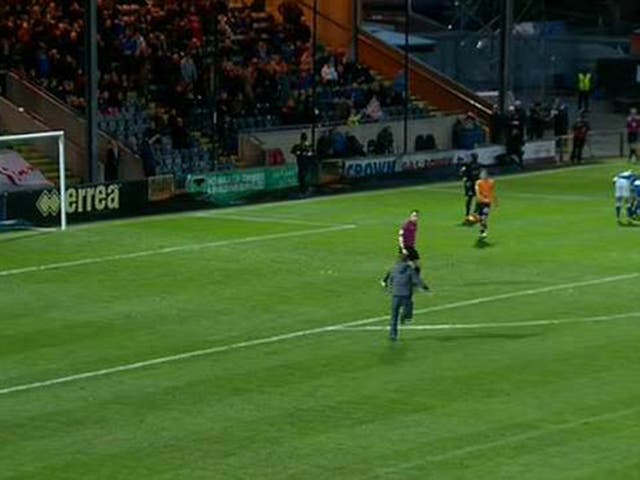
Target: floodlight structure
[{"x": 485, "y": 23}]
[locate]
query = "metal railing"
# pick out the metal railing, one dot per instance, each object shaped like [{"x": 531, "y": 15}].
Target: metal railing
[
  {"x": 56, "y": 115},
  {"x": 600, "y": 144}
]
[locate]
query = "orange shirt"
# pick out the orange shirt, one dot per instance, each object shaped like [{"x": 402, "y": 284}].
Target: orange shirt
[{"x": 485, "y": 190}]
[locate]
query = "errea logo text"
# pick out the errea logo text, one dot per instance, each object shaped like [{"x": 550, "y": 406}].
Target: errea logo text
[{"x": 81, "y": 199}]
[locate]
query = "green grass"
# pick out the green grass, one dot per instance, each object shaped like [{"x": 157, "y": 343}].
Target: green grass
[{"x": 544, "y": 401}]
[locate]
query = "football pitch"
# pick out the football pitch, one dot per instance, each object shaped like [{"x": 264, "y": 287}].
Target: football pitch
[{"x": 251, "y": 342}]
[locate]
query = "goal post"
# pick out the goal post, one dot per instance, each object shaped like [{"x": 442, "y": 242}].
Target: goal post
[{"x": 17, "y": 175}]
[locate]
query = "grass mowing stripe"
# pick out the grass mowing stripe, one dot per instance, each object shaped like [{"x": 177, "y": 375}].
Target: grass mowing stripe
[
  {"x": 301, "y": 333},
  {"x": 521, "y": 437},
  {"x": 166, "y": 250},
  {"x": 531, "y": 323},
  {"x": 294, "y": 202},
  {"x": 542, "y": 196},
  {"x": 533, "y": 291},
  {"x": 268, "y": 219}
]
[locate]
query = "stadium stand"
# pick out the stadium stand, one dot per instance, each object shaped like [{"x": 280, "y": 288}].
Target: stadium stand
[
  {"x": 146, "y": 53},
  {"x": 153, "y": 72}
]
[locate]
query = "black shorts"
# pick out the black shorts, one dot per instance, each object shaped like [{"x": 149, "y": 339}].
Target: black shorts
[
  {"x": 483, "y": 209},
  {"x": 632, "y": 138},
  {"x": 412, "y": 253},
  {"x": 469, "y": 189}
]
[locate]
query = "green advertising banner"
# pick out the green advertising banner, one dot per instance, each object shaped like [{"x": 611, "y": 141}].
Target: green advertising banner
[
  {"x": 236, "y": 185},
  {"x": 281, "y": 177}
]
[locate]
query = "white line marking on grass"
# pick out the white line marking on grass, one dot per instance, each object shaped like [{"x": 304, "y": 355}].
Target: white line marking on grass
[
  {"x": 302, "y": 333},
  {"x": 183, "y": 356},
  {"x": 166, "y": 250},
  {"x": 505, "y": 441},
  {"x": 30, "y": 232},
  {"x": 541, "y": 196},
  {"x": 267, "y": 218},
  {"x": 530, "y": 323},
  {"x": 533, "y": 434},
  {"x": 295, "y": 202},
  {"x": 533, "y": 291}
]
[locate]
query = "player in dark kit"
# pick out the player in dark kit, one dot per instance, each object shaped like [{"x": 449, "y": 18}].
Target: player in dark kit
[
  {"x": 303, "y": 151},
  {"x": 469, "y": 173}
]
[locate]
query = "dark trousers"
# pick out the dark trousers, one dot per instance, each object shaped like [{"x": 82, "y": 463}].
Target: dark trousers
[
  {"x": 632, "y": 140},
  {"x": 467, "y": 205},
  {"x": 583, "y": 100},
  {"x": 3, "y": 207},
  {"x": 399, "y": 303},
  {"x": 578, "y": 146},
  {"x": 302, "y": 179}
]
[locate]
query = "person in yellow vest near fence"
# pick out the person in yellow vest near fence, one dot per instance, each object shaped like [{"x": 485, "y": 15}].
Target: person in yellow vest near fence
[{"x": 584, "y": 90}]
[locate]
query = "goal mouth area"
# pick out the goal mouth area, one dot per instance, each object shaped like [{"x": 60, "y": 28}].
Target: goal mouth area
[
  {"x": 32, "y": 162},
  {"x": 13, "y": 226},
  {"x": 16, "y": 230}
]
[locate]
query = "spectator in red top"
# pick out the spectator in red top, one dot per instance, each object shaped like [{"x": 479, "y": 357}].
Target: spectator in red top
[
  {"x": 633, "y": 132},
  {"x": 580, "y": 131}
]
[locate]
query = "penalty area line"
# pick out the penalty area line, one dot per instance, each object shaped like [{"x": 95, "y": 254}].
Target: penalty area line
[
  {"x": 167, "y": 250},
  {"x": 468, "y": 326},
  {"x": 269, "y": 219},
  {"x": 512, "y": 439},
  {"x": 324, "y": 198},
  {"x": 300, "y": 333}
]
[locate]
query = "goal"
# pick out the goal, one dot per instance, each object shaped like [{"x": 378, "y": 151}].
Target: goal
[{"x": 33, "y": 174}]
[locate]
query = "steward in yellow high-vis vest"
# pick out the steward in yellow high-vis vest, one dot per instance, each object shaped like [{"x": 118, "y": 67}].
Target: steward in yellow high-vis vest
[{"x": 584, "y": 90}]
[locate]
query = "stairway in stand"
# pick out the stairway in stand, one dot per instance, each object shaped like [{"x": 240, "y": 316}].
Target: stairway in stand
[{"x": 46, "y": 165}]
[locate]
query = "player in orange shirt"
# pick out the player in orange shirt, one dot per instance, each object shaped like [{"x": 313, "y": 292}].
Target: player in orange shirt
[{"x": 485, "y": 199}]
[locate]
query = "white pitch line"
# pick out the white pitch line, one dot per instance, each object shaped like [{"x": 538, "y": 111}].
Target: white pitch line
[
  {"x": 530, "y": 323},
  {"x": 508, "y": 440},
  {"x": 267, "y": 218},
  {"x": 31, "y": 232},
  {"x": 532, "y": 434},
  {"x": 532, "y": 291},
  {"x": 183, "y": 356},
  {"x": 166, "y": 250},
  {"x": 294, "y": 203},
  {"x": 301, "y": 333},
  {"x": 541, "y": 196}
]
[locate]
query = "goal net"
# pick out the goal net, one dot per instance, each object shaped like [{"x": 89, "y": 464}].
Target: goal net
[{"x": 33, "y": 181}]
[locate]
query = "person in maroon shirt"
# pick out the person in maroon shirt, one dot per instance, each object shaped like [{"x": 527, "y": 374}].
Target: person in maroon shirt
[
  {"x": 407, "y": 239},
  {"x": 633, "y": 132},
  {"x": 580, "y": 131},
  {"x": 407, "y": 244}
]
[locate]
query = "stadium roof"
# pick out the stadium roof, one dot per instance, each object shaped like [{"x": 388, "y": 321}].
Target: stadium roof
[{"x": 396, "y": 39}]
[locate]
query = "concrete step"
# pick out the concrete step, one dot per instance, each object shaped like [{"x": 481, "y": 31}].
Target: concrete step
[{"x": 46, "y": 165}]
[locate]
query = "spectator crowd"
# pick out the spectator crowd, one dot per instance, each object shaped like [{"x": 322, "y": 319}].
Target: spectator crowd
[{"x": 163, "y": 65}]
